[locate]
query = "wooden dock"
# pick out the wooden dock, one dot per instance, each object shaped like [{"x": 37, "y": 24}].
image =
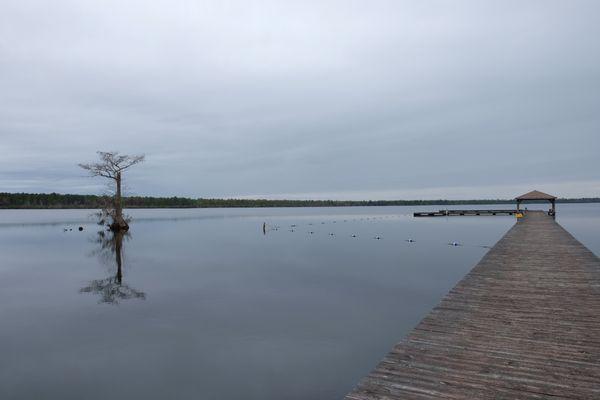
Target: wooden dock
[
  {"x": 454, "y": 213},
  {"x": 523, "y": 324}
]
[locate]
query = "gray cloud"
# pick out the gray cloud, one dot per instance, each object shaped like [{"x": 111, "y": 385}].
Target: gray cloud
[{"x": 347, "y": 99}]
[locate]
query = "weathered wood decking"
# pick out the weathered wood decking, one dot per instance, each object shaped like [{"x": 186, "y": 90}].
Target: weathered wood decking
[{"x": 523, "y": 324}]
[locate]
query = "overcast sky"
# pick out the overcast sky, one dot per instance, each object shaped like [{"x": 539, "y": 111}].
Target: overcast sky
[{"x": 303, "y": 99}]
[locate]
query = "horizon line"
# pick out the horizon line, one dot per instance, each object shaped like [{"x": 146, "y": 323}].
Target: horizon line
[{"x": 288, "y": 199}]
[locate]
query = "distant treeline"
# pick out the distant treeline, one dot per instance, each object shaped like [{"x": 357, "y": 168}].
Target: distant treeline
[{"x": 56, "y": 200}]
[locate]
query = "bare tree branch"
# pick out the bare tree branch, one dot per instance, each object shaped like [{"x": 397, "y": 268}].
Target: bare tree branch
[{"x": 111, "y": 164}]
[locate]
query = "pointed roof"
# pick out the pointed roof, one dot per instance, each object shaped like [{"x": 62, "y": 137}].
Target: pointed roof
[{"x": 536, "y": 195}]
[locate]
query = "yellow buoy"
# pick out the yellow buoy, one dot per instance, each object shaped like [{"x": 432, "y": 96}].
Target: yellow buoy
[{"x": 519, "y": 215}]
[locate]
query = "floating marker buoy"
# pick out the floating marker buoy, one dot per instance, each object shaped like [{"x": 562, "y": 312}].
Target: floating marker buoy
[
  {"x": 409, "y": 240},
  {"x": 80, "y": 228},
  {"x": 332, "y": 234},
  {"x": 454, "y": 244},
  {"x": 377, "y": 237},
  {"x": 353, "y": 235},
  {"x": 311, "y": 232}
]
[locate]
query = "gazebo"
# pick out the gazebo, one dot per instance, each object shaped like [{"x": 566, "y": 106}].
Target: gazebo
[{"x": 537, "y": 196}]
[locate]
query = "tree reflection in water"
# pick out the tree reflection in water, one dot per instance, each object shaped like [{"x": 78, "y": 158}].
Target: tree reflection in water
[{"x": 112, "y": 290}]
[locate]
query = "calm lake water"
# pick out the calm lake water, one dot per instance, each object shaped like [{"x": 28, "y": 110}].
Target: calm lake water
[{"x": 200, "y": 304}]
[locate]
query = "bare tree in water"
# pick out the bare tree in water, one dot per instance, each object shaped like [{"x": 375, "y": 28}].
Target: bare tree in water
[{"x": 111, "y": 166}]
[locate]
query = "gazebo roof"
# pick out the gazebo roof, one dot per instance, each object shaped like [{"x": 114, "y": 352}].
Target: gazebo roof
[{"x": 536, "y": 195}]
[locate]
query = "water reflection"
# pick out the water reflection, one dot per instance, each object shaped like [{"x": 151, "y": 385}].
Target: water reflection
[
  {"x": 221, "y": 292},
  {"x": 112, "y": 290}
]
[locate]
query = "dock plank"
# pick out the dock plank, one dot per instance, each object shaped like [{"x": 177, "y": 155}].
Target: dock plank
[{"x": 523, "y": 324}]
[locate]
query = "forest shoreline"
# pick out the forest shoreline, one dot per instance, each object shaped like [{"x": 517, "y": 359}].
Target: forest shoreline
[{"x": 85, "y": 201}]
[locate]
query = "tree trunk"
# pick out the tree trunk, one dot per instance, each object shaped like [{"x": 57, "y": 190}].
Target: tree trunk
[{"x": 119, "y": 222}]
